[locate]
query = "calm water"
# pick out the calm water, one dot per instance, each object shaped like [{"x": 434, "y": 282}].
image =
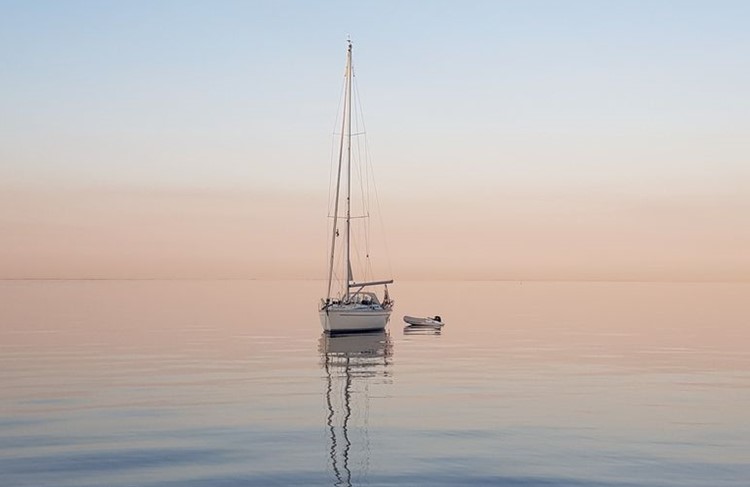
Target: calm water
[{"x": 230, "y": 383}]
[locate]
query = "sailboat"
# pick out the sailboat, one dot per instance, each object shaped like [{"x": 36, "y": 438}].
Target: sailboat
[{"x": 353, "y": 307}]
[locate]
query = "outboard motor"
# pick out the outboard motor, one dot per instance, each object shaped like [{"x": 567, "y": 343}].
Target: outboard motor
[{"x": 437, "y": 318}]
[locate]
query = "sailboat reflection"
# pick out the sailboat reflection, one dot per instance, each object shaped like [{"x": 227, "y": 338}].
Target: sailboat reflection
[{"x": 352, "y": 364}]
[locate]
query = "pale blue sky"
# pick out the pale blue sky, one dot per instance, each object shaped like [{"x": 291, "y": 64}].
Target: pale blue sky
[
  {"x": 227, "y": 93},
  {"x": 517, "y": 110}
]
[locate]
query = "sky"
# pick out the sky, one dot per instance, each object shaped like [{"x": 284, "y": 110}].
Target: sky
[{"x": 511, "y": 139}]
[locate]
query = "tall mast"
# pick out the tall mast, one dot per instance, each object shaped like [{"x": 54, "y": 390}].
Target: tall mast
[
  {"x": 349, "y": 278},
  {"x": 347, "y": 100}
]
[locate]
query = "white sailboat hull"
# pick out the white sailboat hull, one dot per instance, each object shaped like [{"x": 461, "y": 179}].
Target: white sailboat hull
[{"x": 343, "y": 318}]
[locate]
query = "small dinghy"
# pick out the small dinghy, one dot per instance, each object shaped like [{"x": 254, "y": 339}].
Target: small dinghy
[{"x": 434, "y": 322}]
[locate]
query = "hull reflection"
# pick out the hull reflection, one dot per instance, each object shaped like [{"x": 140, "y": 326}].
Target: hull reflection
[{"x": 352, "y": 363}]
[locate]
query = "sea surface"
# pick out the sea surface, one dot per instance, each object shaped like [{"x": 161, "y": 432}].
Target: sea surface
[{"x": 232, "y": 383}]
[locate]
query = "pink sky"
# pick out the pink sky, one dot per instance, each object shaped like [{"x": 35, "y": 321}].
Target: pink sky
[{"x": 234, "y": 234}]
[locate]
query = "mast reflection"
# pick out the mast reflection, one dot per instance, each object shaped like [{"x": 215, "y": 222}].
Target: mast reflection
[{"x": 352, "y": 362}]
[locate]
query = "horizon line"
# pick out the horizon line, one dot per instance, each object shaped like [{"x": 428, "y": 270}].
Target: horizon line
[{"x": 589, "y": 280}]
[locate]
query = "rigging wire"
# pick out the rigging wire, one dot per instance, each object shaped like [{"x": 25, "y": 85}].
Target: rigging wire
[
  {"x": 333, "y": 164},
  {"x": 364, "y": 182},
  {"x": 371, "y": 179}
]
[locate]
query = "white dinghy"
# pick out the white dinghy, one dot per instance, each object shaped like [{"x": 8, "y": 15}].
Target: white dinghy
[{"x": 434, "y": 322}]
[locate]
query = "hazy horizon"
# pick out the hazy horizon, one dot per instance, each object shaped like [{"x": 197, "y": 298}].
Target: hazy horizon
[{"x": 216, "y": 234}]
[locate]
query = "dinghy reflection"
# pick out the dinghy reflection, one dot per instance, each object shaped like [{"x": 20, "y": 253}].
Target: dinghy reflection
[
  {"x": 352, "y": 363},
  {"x": 421, "y": 330}
]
